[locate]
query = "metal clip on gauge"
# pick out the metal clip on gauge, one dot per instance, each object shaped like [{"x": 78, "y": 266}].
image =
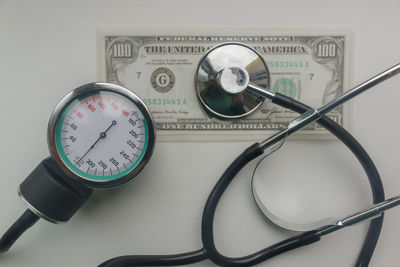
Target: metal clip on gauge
[{"x": 102, "y": 135}]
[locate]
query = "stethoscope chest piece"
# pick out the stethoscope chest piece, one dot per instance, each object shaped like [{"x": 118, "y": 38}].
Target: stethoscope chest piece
[{"x": 222, "y": 77}]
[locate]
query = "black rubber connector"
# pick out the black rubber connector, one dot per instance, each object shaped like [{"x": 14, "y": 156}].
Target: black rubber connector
[{"x": 51, "y": 194}]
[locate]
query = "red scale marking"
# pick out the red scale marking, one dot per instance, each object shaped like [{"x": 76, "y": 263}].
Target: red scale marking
[
  {"x": 121, "y": 103},
  {"x": 101, "y": 105}
]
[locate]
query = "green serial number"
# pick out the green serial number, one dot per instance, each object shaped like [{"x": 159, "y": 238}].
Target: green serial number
[
  {"x": 165, "y": 101},
  {"x": 288, "y": 64}
]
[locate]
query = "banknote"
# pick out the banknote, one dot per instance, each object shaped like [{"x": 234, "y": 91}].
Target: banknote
[{"x": 161, "y": 69}]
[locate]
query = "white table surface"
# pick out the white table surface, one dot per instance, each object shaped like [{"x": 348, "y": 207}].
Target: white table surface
[{"x": 48, "y": 48}]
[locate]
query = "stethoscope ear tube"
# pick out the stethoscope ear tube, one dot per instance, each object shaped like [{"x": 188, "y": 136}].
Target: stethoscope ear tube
[
  {"x": 366, "y": 162},
  {"x": 209, "y": 250}
]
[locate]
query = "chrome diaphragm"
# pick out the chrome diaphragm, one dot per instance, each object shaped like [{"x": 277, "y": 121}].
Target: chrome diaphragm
[{"x": 222, "y": 76}]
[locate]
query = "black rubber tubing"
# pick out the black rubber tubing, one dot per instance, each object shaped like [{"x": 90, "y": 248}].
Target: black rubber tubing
[
  {"x": 355, "y": 147},
  {"x": 27, "y": 219},
  {"x": 157, "y": 260},
  {"x": 199, "y": 255},
  {"x": 378, "y": 193},
  {"x": 209, "y": 250}
]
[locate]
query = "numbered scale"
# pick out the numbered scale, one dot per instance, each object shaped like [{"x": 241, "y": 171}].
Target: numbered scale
[{"x": 101, "y": 135}]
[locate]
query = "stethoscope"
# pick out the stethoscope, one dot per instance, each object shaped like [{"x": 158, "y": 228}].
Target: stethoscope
[{"x": 102, "y": 135}]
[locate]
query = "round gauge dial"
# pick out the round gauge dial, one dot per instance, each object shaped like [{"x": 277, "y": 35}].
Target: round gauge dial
[{"x": 101, "y": 134}]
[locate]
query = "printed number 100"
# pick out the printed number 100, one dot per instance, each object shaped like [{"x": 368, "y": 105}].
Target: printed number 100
[
  {"x": 122, "y": 50},
  {"x": 326, "y": 50}
]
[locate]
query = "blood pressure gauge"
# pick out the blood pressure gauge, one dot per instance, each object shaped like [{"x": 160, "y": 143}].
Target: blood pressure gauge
[{"x": 101, "y": 135}]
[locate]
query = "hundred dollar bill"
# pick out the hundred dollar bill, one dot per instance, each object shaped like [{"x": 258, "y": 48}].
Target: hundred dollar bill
[{"x": 161, "y": 68}]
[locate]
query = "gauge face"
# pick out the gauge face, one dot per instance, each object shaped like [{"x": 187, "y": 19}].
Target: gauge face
[{"x": 103, "y": 137}]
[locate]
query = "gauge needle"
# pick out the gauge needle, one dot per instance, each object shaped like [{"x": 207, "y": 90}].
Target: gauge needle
[{"x": 102, "y": 135}]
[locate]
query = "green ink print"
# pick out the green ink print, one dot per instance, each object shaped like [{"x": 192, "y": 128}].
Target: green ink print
[{"x": 286, "y": 87}]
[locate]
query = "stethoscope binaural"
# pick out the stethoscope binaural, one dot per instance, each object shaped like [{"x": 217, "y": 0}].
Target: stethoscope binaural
[{"x": 102, "y": 135}]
